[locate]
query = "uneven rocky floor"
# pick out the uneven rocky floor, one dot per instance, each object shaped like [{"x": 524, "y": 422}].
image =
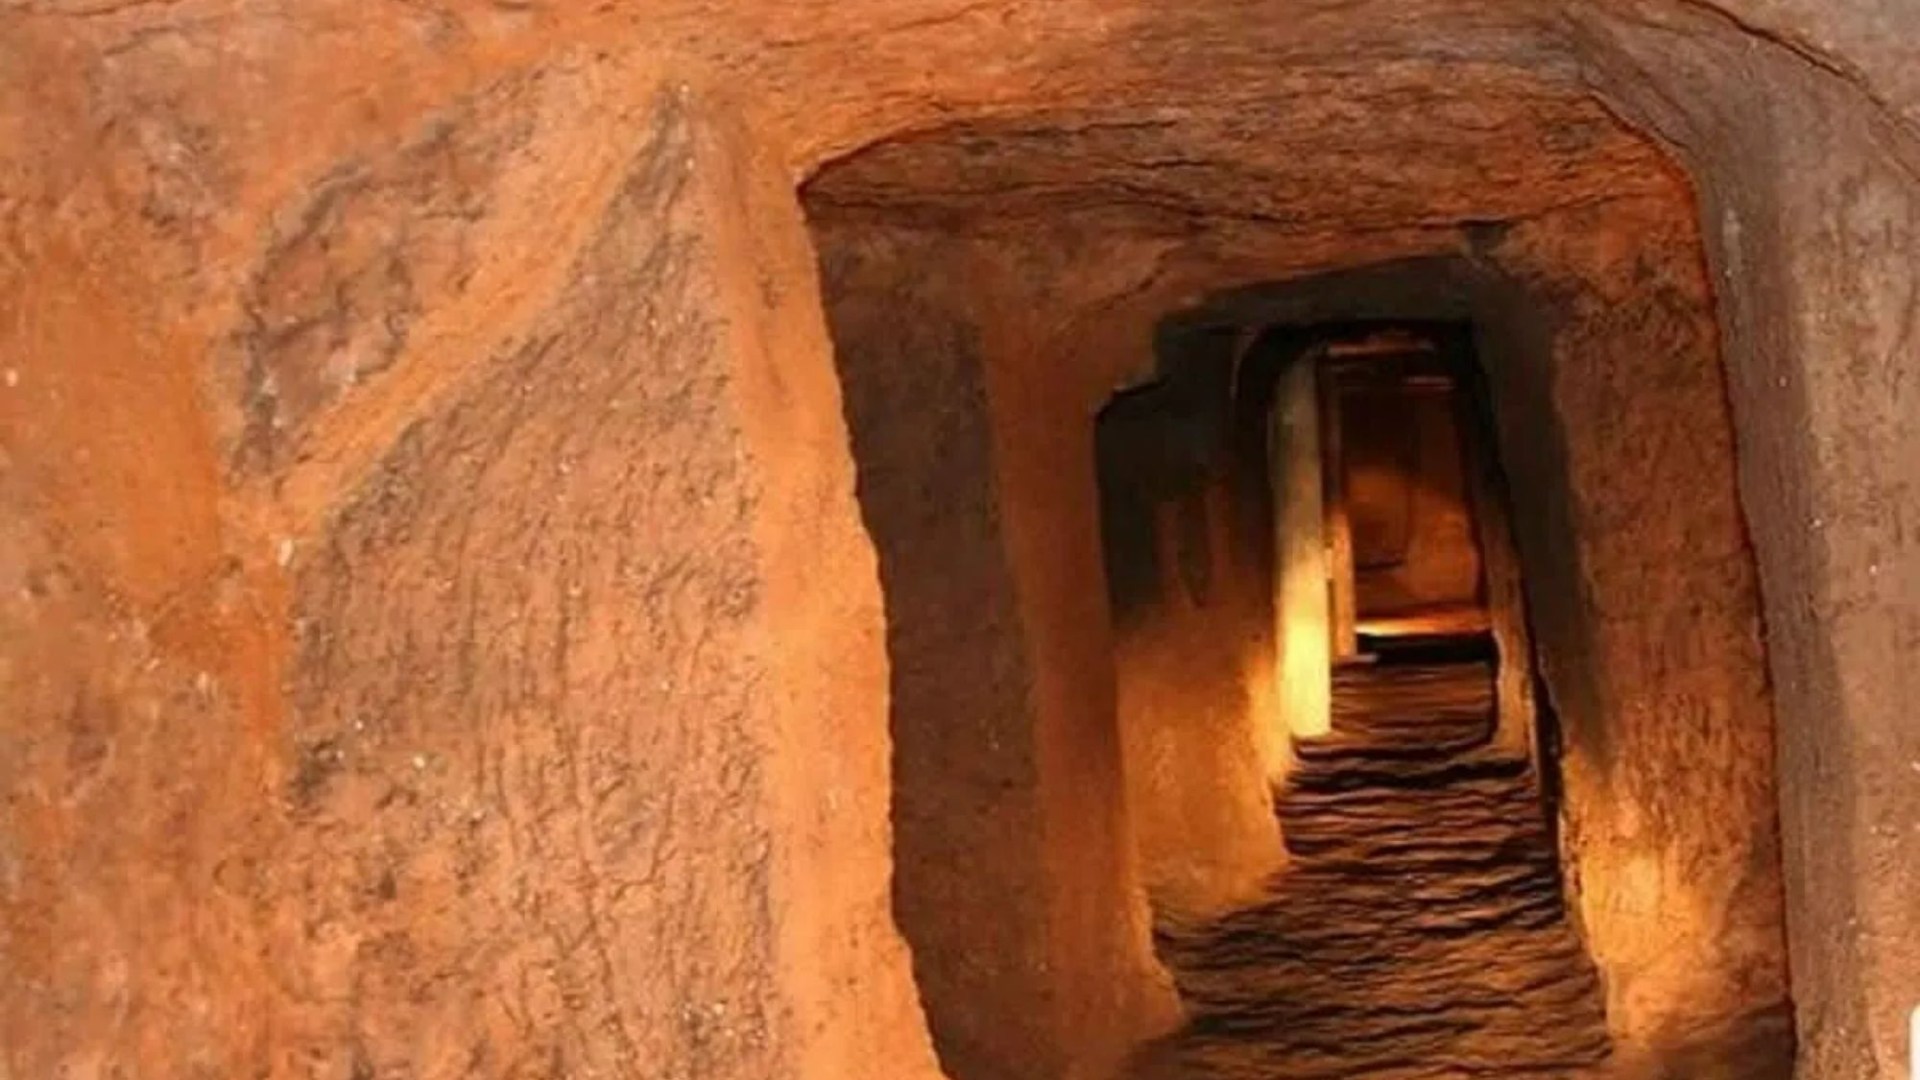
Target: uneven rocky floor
[{"x": 1420, "y": 932}]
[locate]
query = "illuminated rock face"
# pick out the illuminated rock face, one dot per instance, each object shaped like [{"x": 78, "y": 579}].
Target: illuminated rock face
[{"x": 447, "y": 631}]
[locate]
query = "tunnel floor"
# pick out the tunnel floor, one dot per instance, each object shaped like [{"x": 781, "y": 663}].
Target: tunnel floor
[{"x": 1420, "y": 931}]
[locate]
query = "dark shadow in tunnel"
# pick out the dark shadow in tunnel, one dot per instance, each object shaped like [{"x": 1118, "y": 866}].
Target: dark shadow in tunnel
[
  {"x": 1159, "y": 443},
  {"x": 1512, "y": 338},
  {"x": 968, "y": 877}
]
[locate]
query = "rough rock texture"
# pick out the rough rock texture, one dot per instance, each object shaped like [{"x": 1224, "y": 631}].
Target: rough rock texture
[
  {"x": 155, "y": 157},
  {"x": 603, "y": 837},
  {"x": 1198, "y": 719},
  {"x": 556, "y": 773},
  {"x": 1642, "y": 590},
  {"x": 1014, "y": 871},
  {"x": 1421, "y": 933},
  {"x": 1187, "y": 571}
]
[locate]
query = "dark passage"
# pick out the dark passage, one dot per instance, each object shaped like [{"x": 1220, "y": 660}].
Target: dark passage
[{"x": 1419, "y": 929}]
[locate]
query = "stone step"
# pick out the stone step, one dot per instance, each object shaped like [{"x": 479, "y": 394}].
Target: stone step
[
  {"x": 1347, "y": 768},
  {"x": 1420, "y": 931}
]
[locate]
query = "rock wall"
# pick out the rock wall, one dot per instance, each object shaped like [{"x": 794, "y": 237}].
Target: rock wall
[
  {"x": 1646, "y": 617},
  {"x": 613, "y": 776},
  {"x": 1806, "y": 195},
  {"x": 166, "y": 296},
  {"x": 1015, "y": 876},
  {"x": 1187, "y": 567},
  {"x": 1199, "y": 716},
  {"x": 525, "y": 757}
]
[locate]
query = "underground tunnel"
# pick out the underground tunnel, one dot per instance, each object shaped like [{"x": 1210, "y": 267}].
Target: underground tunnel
[
  {"x": 1327, "y": 532},
  {"x": 1097, "y": 540}
]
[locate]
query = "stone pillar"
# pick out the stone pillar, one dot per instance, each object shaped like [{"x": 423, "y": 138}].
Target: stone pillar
[{"x": 1300, "y": 595}]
